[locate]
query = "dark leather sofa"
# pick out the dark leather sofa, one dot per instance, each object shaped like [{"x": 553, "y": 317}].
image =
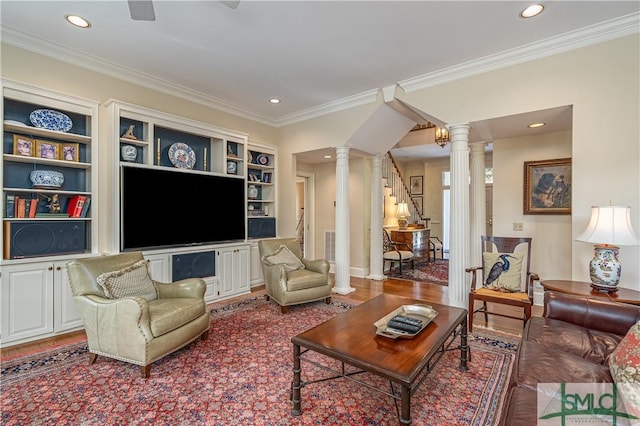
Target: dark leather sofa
[{"x": 570, "y": 343}]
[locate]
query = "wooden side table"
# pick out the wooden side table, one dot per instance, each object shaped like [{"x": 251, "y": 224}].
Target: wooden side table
[{"x": 581, "y": 288}]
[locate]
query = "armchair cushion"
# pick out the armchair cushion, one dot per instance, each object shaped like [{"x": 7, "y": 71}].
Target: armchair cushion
[
  {"x": 284, "y": 256},
  {"x": 503, "y": 273},
  {"x": 304, "y": 278},
  {"x": 133, "y": 280},
  {"x": 170, "y": 314}
]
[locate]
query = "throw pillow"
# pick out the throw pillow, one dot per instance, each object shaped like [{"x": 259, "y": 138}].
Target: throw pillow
[
  {"x": 502, "y": 271},
  {"x": 624, "y": 364},
  {"x": 283, "y": 256},
  {"x": 133, "y": 280}
]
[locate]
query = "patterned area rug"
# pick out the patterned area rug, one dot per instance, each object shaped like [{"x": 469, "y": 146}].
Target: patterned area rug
[
  {"x": 242, "y": 376},
  {"x": 433, "y": 272}
]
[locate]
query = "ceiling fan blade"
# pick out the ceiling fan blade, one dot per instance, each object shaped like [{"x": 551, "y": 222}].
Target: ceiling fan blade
[
  {"x": 231, "y": 4},
  {"x": 141, "y": 10}
]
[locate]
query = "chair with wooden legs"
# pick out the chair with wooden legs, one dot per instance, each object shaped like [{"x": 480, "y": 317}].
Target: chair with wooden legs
[{"x": 505, "y": 277}]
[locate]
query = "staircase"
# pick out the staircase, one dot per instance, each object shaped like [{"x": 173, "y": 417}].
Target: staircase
[{"x": 399, "y": 189}]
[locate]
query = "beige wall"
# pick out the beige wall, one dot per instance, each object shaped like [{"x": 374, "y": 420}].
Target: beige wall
[
  {"x": 551, "y": 246},
  {"x": 601, "y": 82},
  {"x": 606, "y": 132}
]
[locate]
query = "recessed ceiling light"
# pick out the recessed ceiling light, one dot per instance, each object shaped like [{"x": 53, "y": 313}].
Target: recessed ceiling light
[
  {"x": 78, "y": 21},
  {"x": 535, "y": 125},
  {"x": 275, "y": 100},
  {"x": 531, "y": 11},
  {"x": 327, "y": 156}
]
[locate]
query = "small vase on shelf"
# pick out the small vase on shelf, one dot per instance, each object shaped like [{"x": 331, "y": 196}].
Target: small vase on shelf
[{"x": 252, "y": 192}]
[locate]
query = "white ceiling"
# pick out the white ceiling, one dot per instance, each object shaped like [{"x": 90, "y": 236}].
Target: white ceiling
[{"x": 316, "y": 56}]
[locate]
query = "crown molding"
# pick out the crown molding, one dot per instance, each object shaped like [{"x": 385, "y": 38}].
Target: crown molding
[
  {"x": 122, "y": 72},
  {"x": 594, "y": 34}
]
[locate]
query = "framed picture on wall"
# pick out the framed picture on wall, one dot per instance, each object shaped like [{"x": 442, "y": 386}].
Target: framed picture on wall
[
  {"x": 547, "y": 186},
  {"x": 418, "y": 203},
  {"x": 415, "y": 185}
]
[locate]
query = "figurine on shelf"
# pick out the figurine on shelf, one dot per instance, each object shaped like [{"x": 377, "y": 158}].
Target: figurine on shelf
[
  {"x": 54, "y": 202},
  {"x": 129, "y": 133}
]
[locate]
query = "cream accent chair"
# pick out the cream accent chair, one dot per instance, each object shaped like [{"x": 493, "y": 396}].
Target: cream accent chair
[
  {"x": 132, "y": 329},
  {"x": 288, "y": 288}
]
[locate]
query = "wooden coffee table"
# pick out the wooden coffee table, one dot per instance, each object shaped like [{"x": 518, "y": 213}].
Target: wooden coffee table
[{"x": 351, "y": 338}]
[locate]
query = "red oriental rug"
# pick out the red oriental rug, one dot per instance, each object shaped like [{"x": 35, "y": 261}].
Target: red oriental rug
[
  {"x": 432, "y": 272},
  {"x": 242, "y": 376}
]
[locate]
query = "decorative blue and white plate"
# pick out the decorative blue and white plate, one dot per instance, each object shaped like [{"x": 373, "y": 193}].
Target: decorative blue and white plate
[
  {"x": 182, "y": 156},
  {"x": 51, "y": 120},
  {"x": 262, "y": 160}
]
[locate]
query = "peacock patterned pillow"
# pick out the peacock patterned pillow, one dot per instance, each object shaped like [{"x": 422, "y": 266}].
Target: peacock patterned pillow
[{"x": 502, "y": 271}]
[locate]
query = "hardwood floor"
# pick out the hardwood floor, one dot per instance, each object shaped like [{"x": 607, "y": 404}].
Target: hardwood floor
[{"x": 365, "y": 290}]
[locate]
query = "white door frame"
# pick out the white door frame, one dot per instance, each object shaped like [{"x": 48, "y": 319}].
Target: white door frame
[{"x": 309, "y": 212}]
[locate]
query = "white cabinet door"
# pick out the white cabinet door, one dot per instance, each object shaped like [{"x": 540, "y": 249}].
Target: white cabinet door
[
  {"x": 66, "y": 314},
  {"x": 26, "y": 299},
  {"x": 233, "y": 271},
  {"x": 159, "y": 267},
  {"x": 257, "y": 278},
  {"x": 241, "y": 269}
]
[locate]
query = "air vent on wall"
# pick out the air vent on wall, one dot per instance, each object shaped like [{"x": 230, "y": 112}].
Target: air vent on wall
[{"x": 330, "y": 246}]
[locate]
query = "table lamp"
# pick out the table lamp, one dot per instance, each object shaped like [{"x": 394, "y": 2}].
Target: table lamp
[
  {"x": 402, "y": 214},
  {"x": 609, "y": 228}
]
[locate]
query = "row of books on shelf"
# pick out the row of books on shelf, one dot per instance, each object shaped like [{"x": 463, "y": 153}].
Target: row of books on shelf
[{"x": 21, "y": 207}]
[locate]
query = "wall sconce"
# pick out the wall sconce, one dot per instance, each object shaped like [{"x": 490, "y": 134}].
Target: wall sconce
[
  {"x": 609, "y": 227},
  {"x": 402, "y": 214},
  {"x": 442, "y": 136}
]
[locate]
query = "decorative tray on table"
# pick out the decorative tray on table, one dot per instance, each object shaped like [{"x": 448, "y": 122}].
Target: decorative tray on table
[{"x": 405, "y": 322}]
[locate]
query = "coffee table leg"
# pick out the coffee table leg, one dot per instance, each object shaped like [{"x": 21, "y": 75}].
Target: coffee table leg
[
  {"x": 405, "y": 405},
  {"x": 296, "y": 398},
  {"x": 464, "y": 348}
]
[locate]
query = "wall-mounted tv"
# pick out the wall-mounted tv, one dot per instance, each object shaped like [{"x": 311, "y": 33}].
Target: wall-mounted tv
[{"x": 167, "y": 208}]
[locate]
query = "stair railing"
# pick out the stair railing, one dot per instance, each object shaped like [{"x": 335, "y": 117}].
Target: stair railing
[{"x": 399, "y": 189}]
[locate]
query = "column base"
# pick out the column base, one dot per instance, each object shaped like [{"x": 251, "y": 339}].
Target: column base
[
  {"x": 376, "y": 277},
  {"x": 343, "y": 291}
]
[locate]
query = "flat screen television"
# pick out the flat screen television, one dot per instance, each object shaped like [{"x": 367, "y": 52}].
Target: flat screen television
[{"x": 166, "y": 208}]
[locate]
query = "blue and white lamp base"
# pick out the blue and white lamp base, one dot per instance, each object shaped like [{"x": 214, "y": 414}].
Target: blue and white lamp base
[{"x": 605, "y": 268}]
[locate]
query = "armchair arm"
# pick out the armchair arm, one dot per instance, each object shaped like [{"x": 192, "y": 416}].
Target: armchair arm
[
  {"x": 591, "y": 312},
  {"x": 531, "y": 278},
  {"x": 275, "y": 279},
  {"x": 193, "y": 288},
  {"x": 474, "y": 272},
  {"x": 402, "y": 246},
  {"x": 317, "y": 265},
  {"x": 113, "y": 324}
]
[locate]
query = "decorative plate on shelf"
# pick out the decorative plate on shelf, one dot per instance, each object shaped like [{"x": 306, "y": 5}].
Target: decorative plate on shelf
[
  {"x": 51, "y": 120},
  {"x": 182, "y": 156},
  {"x": 262, "y": 160}
]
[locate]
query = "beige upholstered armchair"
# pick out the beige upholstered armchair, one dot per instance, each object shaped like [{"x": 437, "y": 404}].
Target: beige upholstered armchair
[
  {"x": 290, "y": 279},
  {"x": 129, "y": 317}
]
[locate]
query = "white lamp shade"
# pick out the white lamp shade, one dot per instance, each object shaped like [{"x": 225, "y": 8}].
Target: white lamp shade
[
  {"x": 403, "y": 210},
  {"x": 610, "y": 225}
]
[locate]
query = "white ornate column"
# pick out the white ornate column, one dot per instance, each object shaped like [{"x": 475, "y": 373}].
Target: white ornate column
[
  {"x": 375, "y": 254},
  {"x": 478, "y": 202},
  {"x": 459, "y": 212},
  {"x": 343, "y": 240}
]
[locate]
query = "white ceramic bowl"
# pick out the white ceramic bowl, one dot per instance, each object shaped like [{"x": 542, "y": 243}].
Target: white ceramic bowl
[{"x": 46, "y": 179}]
